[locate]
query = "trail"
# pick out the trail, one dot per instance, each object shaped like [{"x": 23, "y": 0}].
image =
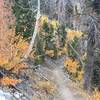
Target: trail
[
  {"x": 64, "y": 92},
  {"x": 60, "y": 79}
]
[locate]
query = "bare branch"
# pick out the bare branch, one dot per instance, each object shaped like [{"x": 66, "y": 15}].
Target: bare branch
[{"x": 76, "y": 54}]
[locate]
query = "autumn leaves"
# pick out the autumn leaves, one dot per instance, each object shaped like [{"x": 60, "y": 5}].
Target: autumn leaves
[
  {"x": 53, "y": 23},
  {"x": 71, "y": 34},
  {"x": 18, "y": 47},
  {"x": 49, "y": 43},
  {"x": 72, "y": 65},
  {"x": 74, "y": 69},
  {"x": 8, "y": 81}
]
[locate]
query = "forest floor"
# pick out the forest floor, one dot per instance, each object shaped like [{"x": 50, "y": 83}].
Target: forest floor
[{"x": 46, "y": 82}]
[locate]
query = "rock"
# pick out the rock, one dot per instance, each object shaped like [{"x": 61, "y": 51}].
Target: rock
[
  {"x": 18, "y": 95},
  {"x": 5, "y": 95}
]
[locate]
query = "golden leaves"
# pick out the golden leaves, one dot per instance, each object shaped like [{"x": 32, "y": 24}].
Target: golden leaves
[
  {"x": 9, "y": 57},
  {"x": 23, "y": 46},
  {"x": 20, "y": 43},
  {"x": 71, "y": 34},
  {"x": 54, "y": 24},
  {"x": 74, "y": 68},
  {"x": 78, "y": 33},
  {"x": 50, "y": 53},
  {"x": 62, "y": 51},
  {"x": 43, "y": 19},
  {"x": 79, "y": 76},
  {"x": 96, "y": 95},
  {"x": 19, "y": 48},
  {"x": 47, "y": 86},
  {"x": 71, "y": 65},
  {"x": 9, "y": 81},
  {"x": 5, "y": 47}
]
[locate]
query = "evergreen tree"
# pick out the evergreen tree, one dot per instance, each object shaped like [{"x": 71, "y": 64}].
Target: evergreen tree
[{"x": 25, "y": 17}]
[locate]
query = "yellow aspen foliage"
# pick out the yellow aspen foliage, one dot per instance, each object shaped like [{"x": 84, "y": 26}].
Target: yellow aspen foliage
[
  {"x": 62, "y": 51},
  {"x": 23, "y": 46},
  {"x": 59, "y": 53},
  {"x": 80, "y": 75},
  {"x": 47, "y": 86},
  {"x": 74, "y": 68},
  {"x": 71, "y": 34},
  {"x": 9, "y": 81},
  {"x": 71, "y": 65},
  {"x": 10, "y": 57},
  {"x": 50, "y": 53},
  {"x": 78, "y": 33},
  {"x": 5, "y": 47},
  {"x": 43, "y": 19},
  {"x": 54, "y": 24},
  {"x": 95, "y": 95}
]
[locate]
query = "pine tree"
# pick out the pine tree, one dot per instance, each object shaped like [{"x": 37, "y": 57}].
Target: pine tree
[{"x": 25, "y": 17}]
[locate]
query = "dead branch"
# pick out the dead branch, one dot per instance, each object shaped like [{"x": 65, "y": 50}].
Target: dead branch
[{"x": 77, "y": 54}]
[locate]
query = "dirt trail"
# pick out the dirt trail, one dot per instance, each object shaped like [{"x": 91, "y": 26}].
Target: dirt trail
[
  {"x": 53, "y": 70},
  {"x": 64, "y": 92}
]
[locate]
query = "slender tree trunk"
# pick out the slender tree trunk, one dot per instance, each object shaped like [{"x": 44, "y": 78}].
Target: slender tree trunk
[
  {"x": 89, "y": 66},
  {"x": 90, "y": 55},
  {"x": 35, "y": 32}
]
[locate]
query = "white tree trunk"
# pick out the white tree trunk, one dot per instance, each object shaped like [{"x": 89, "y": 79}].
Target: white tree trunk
[{"x": 35, "y": 32}]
